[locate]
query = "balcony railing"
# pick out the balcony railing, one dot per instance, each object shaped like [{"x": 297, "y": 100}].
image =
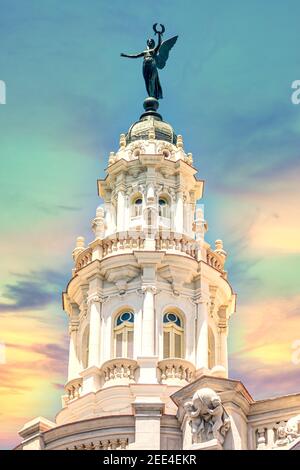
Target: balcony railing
[
  {"x": 175, "y": 371},
  {"x": 73, "y": 390},
  {"x": 119, "y": 371},
  {"x": 104, "y": 444},
  {"x": 134, "y": 240},
  {"x": 215, "y": 261}
]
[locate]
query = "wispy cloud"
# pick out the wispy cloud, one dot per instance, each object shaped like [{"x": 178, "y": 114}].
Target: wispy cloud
[{"x": 32, "y": 291}]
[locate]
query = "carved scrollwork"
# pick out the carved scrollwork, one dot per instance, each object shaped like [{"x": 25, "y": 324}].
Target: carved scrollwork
[
  {"x": 288, "y": 433},
  {"x": 149, "y": 288},
  {"x": 136, "y": 149},
  {"x": 94, "y": 299},
  {"x": 166, "y": 149},
  {"x": 208, "y": 417}
]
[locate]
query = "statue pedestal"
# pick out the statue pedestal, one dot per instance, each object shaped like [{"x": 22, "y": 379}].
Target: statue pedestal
[{"x": 213, "y": 444}]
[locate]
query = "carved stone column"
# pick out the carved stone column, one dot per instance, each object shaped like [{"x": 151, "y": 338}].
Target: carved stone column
[
  {"x": 148, "y": 325},
  {"x": 179, "y": 212},
  {"x": 74, "y": 364},
  {"x": 121, "y": 209},
  {"x": 202, "y": 334},
  {"x": 222, "y": 357},
  {"x": 95, "y": 330}
]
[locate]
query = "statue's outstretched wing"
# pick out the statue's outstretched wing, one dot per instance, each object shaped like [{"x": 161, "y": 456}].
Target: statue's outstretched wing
[{"x": 163, "y": 52}]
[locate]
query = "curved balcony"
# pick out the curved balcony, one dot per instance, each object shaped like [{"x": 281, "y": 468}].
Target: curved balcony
[
  {"x": 73, "y": 390},
  {"x": 119, "y": 371},
  {"x": 215, "y": 261},
  {"x": 84, "y": 258},
  {"x": 128, "y": 241},
  {"x": 177, "y": 242},
  {"x": 175, "y": 371}
]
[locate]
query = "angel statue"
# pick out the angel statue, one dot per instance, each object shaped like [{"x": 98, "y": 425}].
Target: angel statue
[{"x": 155, "y": 57}]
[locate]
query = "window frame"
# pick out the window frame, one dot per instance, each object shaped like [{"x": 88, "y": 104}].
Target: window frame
[
  {"x": 124, "y": 328},
  {"x": 137, "y": 209},
  {"x": 172, "y": 329},
  {"x": 164, "y": 210}
]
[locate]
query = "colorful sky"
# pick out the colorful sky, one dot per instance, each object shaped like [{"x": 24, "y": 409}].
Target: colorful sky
[{"x": 69, "y": 95}]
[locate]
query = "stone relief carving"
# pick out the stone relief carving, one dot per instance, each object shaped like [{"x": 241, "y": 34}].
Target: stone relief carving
[
  {"x": 288, "y": 433},
  {"x": 208, "y": 418},
  {"x": 136, "y": 149},
  {"x": 167, "y": 148}
]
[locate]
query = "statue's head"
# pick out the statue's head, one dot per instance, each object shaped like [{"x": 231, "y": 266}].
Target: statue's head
[
  {"x": 151, "y": 43},
  {"x": 216, "y": 401}
]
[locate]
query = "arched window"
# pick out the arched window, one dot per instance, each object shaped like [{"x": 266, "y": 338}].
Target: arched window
[
  {"x": 173, "y": 335},
  {"x": 163, "y": 207},
  {"x": 137, "y": 206},
  {"x": 123, "y": 334},
  {"x": 211, "y": 349},
  {"x": 85, "y": 347}
]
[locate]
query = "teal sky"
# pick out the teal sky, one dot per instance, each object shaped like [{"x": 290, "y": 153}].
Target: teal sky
[{"x": 227, "y": 90}]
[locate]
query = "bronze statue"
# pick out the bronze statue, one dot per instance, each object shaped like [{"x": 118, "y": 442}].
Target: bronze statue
[{"x": 155, "y": 57}]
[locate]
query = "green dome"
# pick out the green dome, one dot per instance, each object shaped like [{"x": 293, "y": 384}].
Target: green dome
[{"x": 151, "y": 121}]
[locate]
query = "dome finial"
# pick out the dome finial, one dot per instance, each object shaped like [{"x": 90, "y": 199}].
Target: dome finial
[{"x": 151, "y": 106}]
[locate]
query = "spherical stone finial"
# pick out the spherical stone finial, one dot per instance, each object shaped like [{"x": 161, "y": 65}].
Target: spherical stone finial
[
  {"x": 79, "y": 247},
  {"x": 122, "y": 140},
  {"x": 219, "y": 244},
  {"x": 151, "y": 106},
  {"x": 189, "y": 158},
  {"x": 179, "y": 141},
  {"x": 219, "y": 248},
  {"x": 112, "y": 157},
  {"x": 80, "y": 242}
]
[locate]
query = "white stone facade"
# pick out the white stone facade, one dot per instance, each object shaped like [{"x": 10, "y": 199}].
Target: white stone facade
[{"x": 148, "y": 306}]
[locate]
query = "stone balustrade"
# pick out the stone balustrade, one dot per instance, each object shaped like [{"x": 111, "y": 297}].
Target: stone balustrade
[
  {"x": 266, "y": 436},
  {"x": 176, "y": 370},
  {"x": 83, "y": 259},
  {"x": 72, "y": 389},
  {"x": 177, "y": 242},
  {"x": 215, "y": 261},
  {"x": 135, "y": 240},
  {"x": 123, "y": 241},
  {"x": 119, "y": 370},
  {"x": 104, "y": 444}
]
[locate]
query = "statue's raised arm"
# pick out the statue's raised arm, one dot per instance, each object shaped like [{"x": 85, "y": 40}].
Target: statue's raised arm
[
  {"x": 155, "y": 57},
  {"x": 132, "y": 56}
]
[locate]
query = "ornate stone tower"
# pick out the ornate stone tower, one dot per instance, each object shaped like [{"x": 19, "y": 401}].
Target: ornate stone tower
[
  {"x": 148, "y": 301},
  {"x": 148, "y": 305}
]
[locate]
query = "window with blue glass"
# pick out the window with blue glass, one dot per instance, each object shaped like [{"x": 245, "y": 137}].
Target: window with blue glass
[
  {"x": 163, "y": 207},
  {"x": 137, "y": 206},
  {"x": 173, "y": 335},
  {"x": 123, "y": 334}
]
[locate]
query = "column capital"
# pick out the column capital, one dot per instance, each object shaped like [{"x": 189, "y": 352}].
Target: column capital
[
  {"x": 222, "y": 327},
  {"x": 149, "y": 288},
  {"x": 73, "y": 325},
  {"x": 95, "y": 298}
]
